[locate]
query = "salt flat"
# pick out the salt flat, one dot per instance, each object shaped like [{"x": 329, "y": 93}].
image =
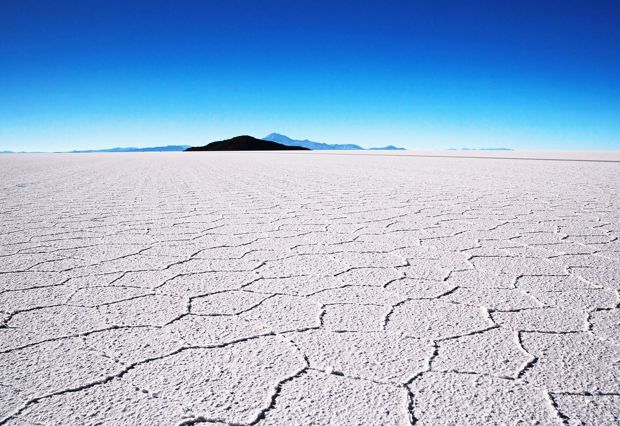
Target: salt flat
[{"x": 279, "y": 288}]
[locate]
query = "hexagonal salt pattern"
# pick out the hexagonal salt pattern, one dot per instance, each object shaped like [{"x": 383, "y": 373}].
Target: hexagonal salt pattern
[{"x": 305, "y": 288}]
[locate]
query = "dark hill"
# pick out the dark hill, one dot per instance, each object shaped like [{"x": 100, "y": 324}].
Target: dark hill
[{"x": 244, "y": 143}]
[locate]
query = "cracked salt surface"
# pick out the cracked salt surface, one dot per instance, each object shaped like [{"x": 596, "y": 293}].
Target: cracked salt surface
[{"x": 272, "y": 288}]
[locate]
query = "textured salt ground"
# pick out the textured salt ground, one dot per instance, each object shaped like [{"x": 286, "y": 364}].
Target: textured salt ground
[{"x": 272, "y": 288}]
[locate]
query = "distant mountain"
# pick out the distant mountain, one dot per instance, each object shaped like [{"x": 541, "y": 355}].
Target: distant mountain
[
  {"x": 244, "y": 143},
  {"x": 166, "y": 148},
  {"x": 387, "y": 148},
  {"x": 21, "y": 152},
  {"x": 482, "y": 149},
  {"x": 285, "y": 140}
]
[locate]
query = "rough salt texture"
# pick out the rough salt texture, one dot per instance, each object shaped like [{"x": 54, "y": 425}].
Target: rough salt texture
[{"x": 280, "y": 288}]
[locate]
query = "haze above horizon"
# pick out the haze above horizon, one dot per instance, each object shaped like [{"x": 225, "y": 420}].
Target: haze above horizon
[{"x": 424, "y": 75}]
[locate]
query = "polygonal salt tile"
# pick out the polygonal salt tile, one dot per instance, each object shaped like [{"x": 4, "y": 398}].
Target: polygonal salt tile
[
  {"x": 173, "y": 250},
  {"x": 369, "y": 260},
  {"x": 589, "y": 409},
  {"x": 50, "y": 323},
  {"x": 552, "y": 283},
  {"x": 27, "y": 280},
  {"x": 539, "y": 251},
  {"x": 373, "y": 356},
  {"x": 358, "y": 294},
  {"x": 35, "y": 297},
  {"x": 518, "y": 266},
  {"x": 535, "y": 238},
  {"x": 135, "y": 263},
  {"x": 294, "y": 286},
  {"x": 259, "y": 256},
  {"x": 155, "y": 310},
  {"x": 95, "y": 296},
  {"x": 452, "y": 398},
  {"x": 113, "y": 402},
  {"x": 106, "y": 252},
  {"x": 542, "y": 319},
  {"x": 586, "y": 261},
  {"x": 102, "y": 280},
  {"x": 142, "y": 279},
  {"x": 561, "y": 361},
  {"x": 322, "y": 249},
  {"x": 232, "y": 383},
  {"x": 226, "y": 303},
  {"x": 450, "y": 259},
  {"x": 214, "y": 330},
  {"x": 610, "y": 254},
  {"x": 219, "y": 265},
  {"x": 384, "y": 241},
  {"x": 192, "y": 285},
  {"x": 355, "y": 317},
  {"x": 569, "y": 248},
  {"x": 602, "y": 277},
  {"x": 606, "y": 325},
  {"x": 134, "y": 344},
  {"x": 435, "y": 319},
  {"x": 318, "y": 398},
  {"x": 285, "y": 313},
  {"x": 427, "y": 269},
  {"x": 481, "y": 279},
  {"x": 495, "y": 352},
  {"x": 35, "y": 262},
  {"x": 12, "y": 399},
  {"x": 223, "y": 252},
  {"x": 493, "y": 298},
  {"x": 451, "y": 243},
  {"x": 370, "y": 276},
  {"x": 20, "y": 421},
  {"x": 410, "y": 288},
  {"x": 587, "y": 299},
  {"x": 316, "y": 265},
  {"x": 54, "y": 366}
]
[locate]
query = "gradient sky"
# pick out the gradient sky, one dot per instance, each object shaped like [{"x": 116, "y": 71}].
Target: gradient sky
[{"x": 421, "y": 74}]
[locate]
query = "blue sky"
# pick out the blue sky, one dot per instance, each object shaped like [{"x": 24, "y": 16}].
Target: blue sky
[{"x": 424, "y": 75}]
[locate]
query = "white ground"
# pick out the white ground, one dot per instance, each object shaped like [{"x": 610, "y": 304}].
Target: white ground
[{"x": 294, "y": 288}]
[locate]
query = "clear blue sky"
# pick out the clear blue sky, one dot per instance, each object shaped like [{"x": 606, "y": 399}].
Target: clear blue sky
[{"x": 420, "y": 74}]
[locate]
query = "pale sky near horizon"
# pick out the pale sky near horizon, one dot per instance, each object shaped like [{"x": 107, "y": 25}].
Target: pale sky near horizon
[{"x": 418, "y": 74}]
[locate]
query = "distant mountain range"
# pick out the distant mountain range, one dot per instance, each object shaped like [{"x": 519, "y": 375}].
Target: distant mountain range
[
  {"x": 273, "y": 137},
  {"x": 285, "y": 140},
  {"x": 245, "y": 143},
  {"x": 482, "y": 149},
  {"x": 131, "y": 149},
  {"x": 387, "y": 148}
]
